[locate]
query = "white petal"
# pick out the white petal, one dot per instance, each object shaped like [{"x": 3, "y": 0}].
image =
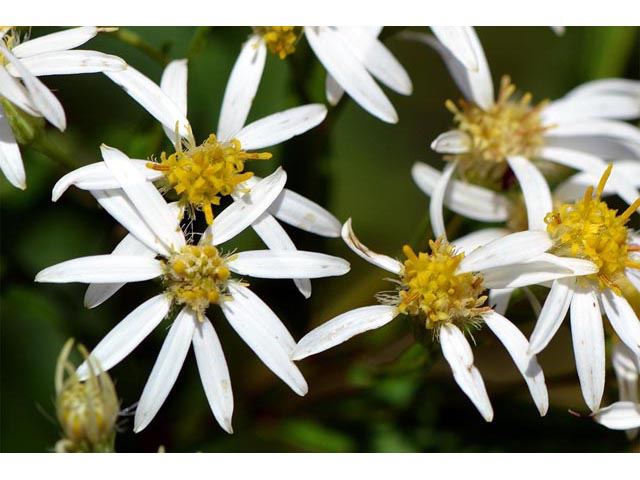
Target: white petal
[
  {"x": 97, "y": 176},
  {"x": 102, "y": 269},
  {"x": 469, "y": 242},
  {"x": 266, "y": 344},
  {"x": 535, "y": 190},
  {"x": 151, "y": 98},
  {"x": 597, "y": 128},
  {"x": 174, "y": 84},
  {"x": 41, "y": 97},
  {"x": 287, "y": 264},
  {"x": 54, "y": 42},
  {"x": 582, "y": 107},
  {"x": 618, "y": 86},
  {"x": 122, "y": 210},
  {"x": 98, "y": 293},
  {"x": 243, "y": 212},
  {"x": 574, "y": 187},
  {"x": 606, "y": 147},
  {"x": 341, "y": 328},
  {"x": 282, "y": 126},
  {"x": 69, "y": 63},
  {"x": 623, "y": 319},
  {"x": 241, "y": 88},
  {"x": 452, "y": 142},
  {"x": 166, "y": 369},
  {"x": 153, "y": 209},
  {"x": 333, "y": 91},
  {"x": 437, "y": 200},
  {"x": 214, "y": 373},
  {"x": 13, "y": 90},
  {"x": 514, "y": 248},
  {"x": 619, "y": 416},
  {"x": 349, "y": 72},
  {"x": 298, "y": 211},
  {"x": 457, "y": 40},
  {"x": 10, "y": 158},
  {"x": 386, "y": 263},
  {"x": 533, "y": 301},
  {"x": 517, "y": 346},
  {"x": 626, "y": 366},
  {"x": 553, "y": 312},
  {"x": 377, "y": 59},
  {"x": 457, "y": 352},
  {"x": 499, "y": 299},
  {"x": 463, "y": 198},
  {"x": 276, "y": 238},
  {"x": 588, "y": 345},
  {"x": 128, "y": 334}
]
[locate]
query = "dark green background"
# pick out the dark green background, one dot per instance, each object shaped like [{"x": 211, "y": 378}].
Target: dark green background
[{"x": 374, "y": 393}]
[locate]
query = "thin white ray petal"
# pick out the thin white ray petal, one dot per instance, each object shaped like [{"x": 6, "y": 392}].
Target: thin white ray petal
[
  {"x": 42, "y": 100},
  {"x": 457, "y": 40},
  {"x": 10, "y": 158},
  {"x": 606, "y": 147},
  {"x": 14, "y": 91},
  {"x": 535, "y": 190},
  {"x": 345, "y": 67},
  {"x": 341, "y": 328},
  {"x": 102, "y": 269},
  {"x": 457, "y": 352},
  {"x": 287, "y": 264},
  {"x": 536, "y": 306},
  {"x": 597, "y": 128},
  {"x": 333, "y": 91},
  {"x": 214, "y": 373},
  {"x": 377, "y": 59},
  {"x": 54, "y": 42},
  {"x": 97, "y": 176},
  {"x": 98, "y": 293},
  {"x": 123, "y": 211},
  {"x": 626, "y": 366},
  {"x": 574, "y": 187},
  {"x": 582, "y": 107},
  {"x": 617, "y": 86},
  {"x": 588, "y": 345},
  {"x": 471, "y": 241},
  {"x": 166, "y": 369},
  {"x": 262, "y": 340},
  {"x": 128, "y": 334},
  {"x": 437, "y": 200},
  {"x": 517, "y": 346},
  {"x": 174, "y": 84},
  {"x": 499, "y": 299},
  {"x": 69, "y": 63},
  {"x": 298, "y": 211},
  {"x": 514, "y": 248},
  {"x": 386, "y": 263},
  {"x": 553, "y": 312},
  {"x": 276, "y": 238},
  {"x": 281, "y": 126},
  {"x": 242, "y": 87},
  {"x": 452, "y": 142},
  {"x": 153, "y": 209},
  {"x": 149, "y": 95},
  {"x": 619, "y": 416},
  {"x": 463, "y": 198},
  {"x": 623, "y": 319},
  {"x": 244, "y": 211}
]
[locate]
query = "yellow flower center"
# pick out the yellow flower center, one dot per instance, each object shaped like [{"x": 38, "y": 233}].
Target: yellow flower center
[
  {"x": 9, "y": 39},
  {"x": 203, "y": 174},
  {"x": 196, "y": 276},
  {"x": 507, "y": 128},
  {"x": 589, "y": 229},
  {"x": 432, "y": 288},
  {"x": 280, "y": 40}
]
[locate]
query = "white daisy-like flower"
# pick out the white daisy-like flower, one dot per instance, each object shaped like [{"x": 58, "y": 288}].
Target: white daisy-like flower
[
  {"x": 626, "y": 366},
  {"x": 202, "y": 174},
  {"x": 21, "y": 63},
  {"x": 195, "y": 276},
  {"x": 444, "y": 292},
  {"x": 354, "y": 58},
  {"x": 493, "y": 131},
  {"x": 485, "y": 205}
]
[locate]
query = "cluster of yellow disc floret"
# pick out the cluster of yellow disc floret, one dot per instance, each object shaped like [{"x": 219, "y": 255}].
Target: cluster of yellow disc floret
[
  {"x": 508, "y": 128},
  {"x": 280, "y": 40},
  {"x": 196, "y": 276},
  {"x": 433, "y": 290},
  {"x": 203, "y": 174},
  {"x": 589, "y": 229}
]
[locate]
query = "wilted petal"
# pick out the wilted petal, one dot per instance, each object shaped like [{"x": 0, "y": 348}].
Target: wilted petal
[{"x": 386, "y": 263}]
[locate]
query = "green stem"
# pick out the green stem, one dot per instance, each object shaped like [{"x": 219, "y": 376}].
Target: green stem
[{"x": 131, "y": 38}]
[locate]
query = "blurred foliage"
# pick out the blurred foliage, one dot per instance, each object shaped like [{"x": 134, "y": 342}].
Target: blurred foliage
[{"x": 374, "y": 393}]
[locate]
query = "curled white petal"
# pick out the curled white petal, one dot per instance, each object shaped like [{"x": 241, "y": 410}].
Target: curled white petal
[
  {"x": 535, "y": 190},
  {"x": 437, "y": 200},
  {"x": 386, "y": 263},
  {"x": 619, "y": 416}
]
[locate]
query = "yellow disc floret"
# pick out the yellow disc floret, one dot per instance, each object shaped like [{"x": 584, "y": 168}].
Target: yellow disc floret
[
  {"x": 203, "y": 174},
  {"x": 433, "y": 290},
  {"x": 509, "y": 127},
  {"x": 589, "y": 229},
  {"x": 9, "y": 39},
  {"x": 280, "y": 40},
  {"x": 196, "y": 276}
]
